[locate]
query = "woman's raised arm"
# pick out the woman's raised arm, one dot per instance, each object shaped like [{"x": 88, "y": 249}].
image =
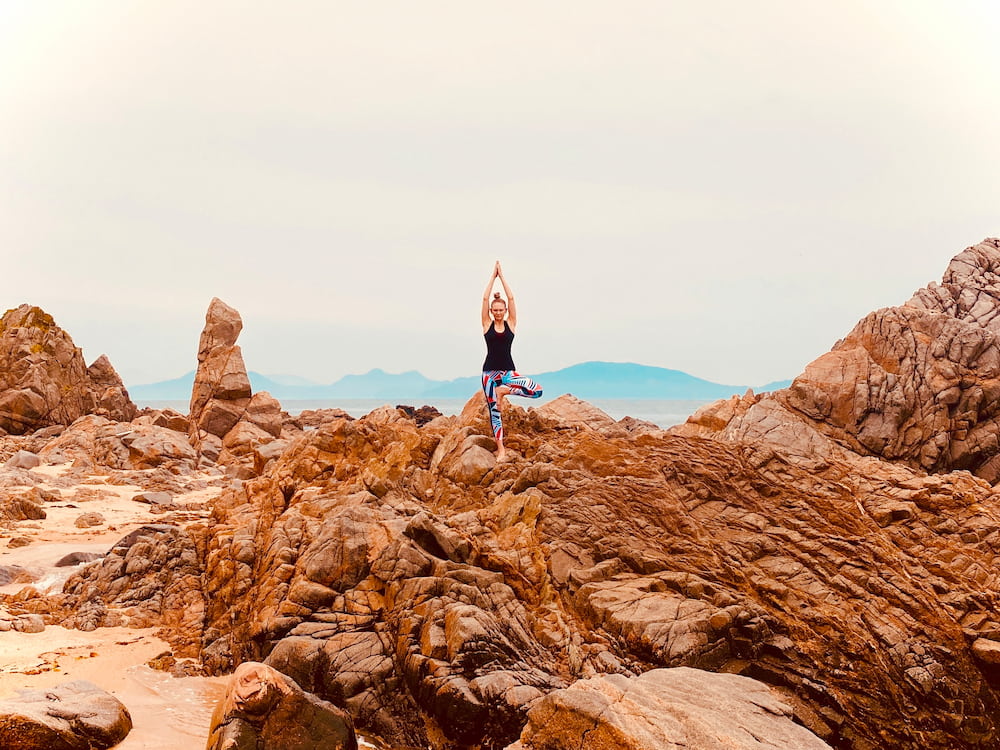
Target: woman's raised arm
[
  {"x": 511, "y": 307},
  {"x": 486, "y": 296}
]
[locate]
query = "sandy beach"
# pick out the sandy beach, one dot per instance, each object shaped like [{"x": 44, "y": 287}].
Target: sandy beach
[{"x": 167, "y": 712}]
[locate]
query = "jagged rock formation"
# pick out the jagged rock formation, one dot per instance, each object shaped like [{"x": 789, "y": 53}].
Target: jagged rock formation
[
  {"x": 394, "y": 569},
  {"x": 265, "y": 710},
  {"x": 150, "y": 578},
  {"x": 94, "y": 440},
  {"x": 439, "y": 608},
  {"x": 918, "y": 383},
  {"x": 227, "y": 420},
  {"x": 44, "y": 379}
]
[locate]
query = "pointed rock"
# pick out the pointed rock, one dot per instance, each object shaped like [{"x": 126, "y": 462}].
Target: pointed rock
[
  {"x": 221, "y": 389},
  {"x": 44, "y": 380}
]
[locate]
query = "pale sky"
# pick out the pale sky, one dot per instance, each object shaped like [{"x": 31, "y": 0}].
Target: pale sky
[{"x": 722, "y": 188}]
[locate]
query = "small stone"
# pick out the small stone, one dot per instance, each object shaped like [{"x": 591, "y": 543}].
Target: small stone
[
  {"x": 986, "y": 650},
  {"x": 23, "y": 460},
  {"x": 154, "y": 498},
  {"x": 29, "y": 624},
  {"x": 86, "y": 520}
]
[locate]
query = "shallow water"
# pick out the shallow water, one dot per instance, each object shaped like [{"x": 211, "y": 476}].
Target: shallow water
[
  {"x": 661, "y": 412},
  {"x": 169, "y": 713}
]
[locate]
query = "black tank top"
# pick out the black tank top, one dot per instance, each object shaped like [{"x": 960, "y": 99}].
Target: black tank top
[{"x": 498, "y": 348}]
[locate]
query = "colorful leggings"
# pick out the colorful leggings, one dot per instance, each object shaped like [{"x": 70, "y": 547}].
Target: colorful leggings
[{"x": 519, "y": 386}]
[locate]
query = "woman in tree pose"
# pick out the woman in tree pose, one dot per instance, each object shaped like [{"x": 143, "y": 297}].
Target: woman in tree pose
[{"x": 500, "y": 379}]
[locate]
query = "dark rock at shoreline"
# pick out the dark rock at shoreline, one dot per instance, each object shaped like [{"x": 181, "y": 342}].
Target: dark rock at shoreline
[
  {"x": 421, "y": 415},
  {"x": 265, "y": 710}
]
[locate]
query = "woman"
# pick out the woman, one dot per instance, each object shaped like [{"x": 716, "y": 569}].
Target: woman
[{"x": 500, "y": 379}]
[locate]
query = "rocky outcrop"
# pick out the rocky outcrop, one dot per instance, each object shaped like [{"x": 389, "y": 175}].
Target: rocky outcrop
[
  {"x": 440, "y": 608},
  {"x": 264, "y": 710},
  {"x": 94, "y": 440},
  {"x": 44, "y": 379},
  {"x": 918, "y": 383},
  {"x": 393, "y": 568},
  {"x": 150, "y": 578},
  {"x": 665, "y": 709},
  {"x": 21, "y": 506},
  {"x": 227, "y": 421},
  {"x": 72, "y": 716}
]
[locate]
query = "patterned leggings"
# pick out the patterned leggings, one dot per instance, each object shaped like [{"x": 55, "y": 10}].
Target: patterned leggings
[{"x": 519, "y": 386}]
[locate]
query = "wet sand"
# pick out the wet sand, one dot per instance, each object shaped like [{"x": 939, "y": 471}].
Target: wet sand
[{"x": 168, "y": 713}]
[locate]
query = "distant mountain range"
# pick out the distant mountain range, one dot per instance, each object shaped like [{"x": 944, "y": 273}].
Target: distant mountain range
[{"x": 588, "y": 380}]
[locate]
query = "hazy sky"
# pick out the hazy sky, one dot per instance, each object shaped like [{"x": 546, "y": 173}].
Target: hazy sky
[{"x": 722, "y": 188}]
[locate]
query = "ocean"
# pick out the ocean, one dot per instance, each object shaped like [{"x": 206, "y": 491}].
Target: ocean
[{"x": 661, "y": 412}]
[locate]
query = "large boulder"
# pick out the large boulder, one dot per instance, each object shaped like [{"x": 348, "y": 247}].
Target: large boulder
[
  {"x": 149, "y": 578},
  {"x": 665, "y": 709},
  {"x": 75, "y": 715},
  {"x": 96, "y": 441},
  {"x": 264, "y": 710},
  {"x": 44, "y": 379},
  {"x": 918, "y": 383}
]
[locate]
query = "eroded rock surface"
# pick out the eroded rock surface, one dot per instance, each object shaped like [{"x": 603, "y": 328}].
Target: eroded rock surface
[
  {"x": 72, "y": 716},
  {"x": 918, "y": 383},
  {"x": 227, "y": 421},
  {"x": 391, "y": 567},
  {"x": 96, "y": 441},
  {"x": 439, "y": 607},
  {"x": 665, "y": 709},
  {"x": 150, "y": 578},
  {"x": 44, "y": 379},
  {"x": 265, "y": 710}
]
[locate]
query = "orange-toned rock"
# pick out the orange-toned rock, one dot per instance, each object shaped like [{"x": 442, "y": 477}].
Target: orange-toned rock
[
  {"x": 265, "y": 710},
  {"x": 44, "y": 379},
  {"x": 222, "y": 405},
  {"x": 221, "y": 384},
  {"x": 918, "y": 383},
  {"x": 693, "y": 710}
]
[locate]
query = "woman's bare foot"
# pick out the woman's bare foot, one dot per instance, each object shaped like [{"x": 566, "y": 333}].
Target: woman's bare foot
[{"x": 501, "y": 456}]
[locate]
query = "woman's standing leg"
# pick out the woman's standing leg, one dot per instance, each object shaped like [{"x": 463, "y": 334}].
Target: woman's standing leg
[{"x": 491, "y": 379}]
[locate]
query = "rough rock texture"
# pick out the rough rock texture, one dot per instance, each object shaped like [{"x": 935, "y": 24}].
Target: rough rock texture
[
  {"x": 94, "y": 440},
  {"x": 150, "y": 578},
  {"x": 20, "y": 506},
  {"x": 222, "y": 405},
  {"x": 23, "y": 460},
  {"x": 313, "y": 418},
  {"x": 72, "y": 716},
  {"x": 398, "y": 572},
  {"x": 439, "y": 605},
  {"x": 264, "y": 710},
  {"x": 44, "y": 379},
  {"x": 665, "y": 709},
  {"x": 918, "y": 383}
]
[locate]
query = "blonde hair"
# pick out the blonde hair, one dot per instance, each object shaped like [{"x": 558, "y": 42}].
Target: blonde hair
[{"x": 498, "y": 298}]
